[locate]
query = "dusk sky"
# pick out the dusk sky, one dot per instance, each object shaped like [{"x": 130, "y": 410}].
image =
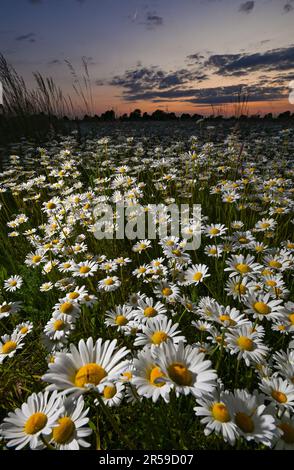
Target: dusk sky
[{"x": 176, "y": 55}]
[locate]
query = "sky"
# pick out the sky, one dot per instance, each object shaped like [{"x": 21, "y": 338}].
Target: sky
[{"x": 191, "y": 56}]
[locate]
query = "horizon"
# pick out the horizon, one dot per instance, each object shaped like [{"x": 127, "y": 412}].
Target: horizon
[{"x": 182, "y": 57}]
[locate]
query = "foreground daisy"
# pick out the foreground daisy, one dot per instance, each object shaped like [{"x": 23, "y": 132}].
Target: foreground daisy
[
  {"x": 218, "y": 416},
  {"x": 149, "y": 378},
  {"x": 35, "y": 418},
  {"x": 158, "y": 331},
  {"x": 86, "y": 366},
  {"x": 186, "y": 369},
  {"x": 71, "y": 427}
]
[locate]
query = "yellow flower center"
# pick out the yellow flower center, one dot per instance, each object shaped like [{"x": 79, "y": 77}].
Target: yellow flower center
[
  {"x": 220, "y": 412},
  {"x": 291, "y": 318},
  {"x": 180, "y": 374},
  {"x": 197, "y": 276},
  {"x": 214, "y": 231},
  {"x": 245, "y": 343},
  {"x": 212, "y": 251},
  {"x": 261, "y": 308},
  {"x": 36, "y": 259},
  {"x": 166, "y": 291},
  {"x": 109, "y": 391},
  {"x": 142, "y": 270},
  {"x": 67, "y": 307},
  {"x": 243, "y": 268},
  {"x": 5, "y": 308},
  {"x": 240, "y": 288},
  {"x": 51, "y": 205},
  {"x": 127, "y": 375},
  {"x": 265, "y": 225},
  {"x": 13, "y": 283},
  {"x": 159, "y": 337},
  {"x": 244, "y": 422},
  {"x": 35, "y": 423},
  {"x": 280, "y": 397},
  {"x": 155, "y": 374},
  {"x": 66, "y": 265},
  {"x": 288, "y": 431},
  {"x": 64, "y": 431},
  {"x": 121, "y": 320},
  {"x": 8, "y": 347},
  {"x": 150, "y": 312},
  {"x": 243, "y": 240},
  {"x": 275, "y": 264},
  {"x": 176, "y": 252},
  {"x": 224, "y": 318},
  {"x": 108, "y": 282},
  {"x": 84, "y": 269},
  {"x": 290, "y": 246},
  {"x": 58, "y": 325},
  {"x": 271, "y": 283},
  {"x": 73, "y": 295},
  {"x": 24, "y": 330},
  {"x": 142, "y": 246},
  {"x": 90, "y": 373}
]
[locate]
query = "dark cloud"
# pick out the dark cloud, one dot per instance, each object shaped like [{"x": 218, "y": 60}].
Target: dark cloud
[
  {"x": 241, "y": 64},
  {"x": 246, "y": 7},
  {"x": 152, "y": 20},
  {"x": 141, "y": 79},
  {"x": 54, "y": 62},
  {"x": 31, "y": 37},
  {"x": 288, "y": 7},
  {"x": 217, "y": 95}
]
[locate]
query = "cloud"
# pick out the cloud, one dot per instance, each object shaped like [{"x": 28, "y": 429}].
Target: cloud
[
  {"x": 288, "y": 7},
  {"x": 55, "y": 62},
  {"x": 141, "y": 79},
  {"x": 30, "y": 37},
  {"x": 241, "y": 64},
  {"x": 246, "y": 7}
]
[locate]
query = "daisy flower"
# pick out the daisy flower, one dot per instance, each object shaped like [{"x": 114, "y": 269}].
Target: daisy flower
[
  {"x": 286, "y": 440},
  {"x": 186, "y": 369},
  {"x": 246, "y": 342},
  {"x": 149, "y": 308},
  {"x": 146, "y": 377},
  {"x": 8, "y": 308},
  {"x": 109, "y": 284},
  {"x": 280, "y": 392},
  {"x": 260, "y": 306},
  {"x": 24, "y": 328},
  {"x": 141, "y": 245},
  {"x": 158, "y": 331},
  {"x": 35, "y": 418},
  {"x": 167, "y": 291},
  {"x": 59, "y": 326},
  {"x": 254, "y": 420},
  {"x": 84, "y": 269},
  {"x": 86, "y": 366},
  {"x": 46, "y": 286},
  {"x": 197, "y": 273},
  {"x": 13, "y": 283},
  {"x": 35, "y": 259},
  {"x": 244, "y": 266},
  {"x": 71, "y": 428},
  {"x": 120, "y": 317},
  {"x": 9, "y": 345},
  {"x": 111, "y": 393},
  {"x": 215, "y": 230},
  {"x": 66, "y": 307},
  {"x": 218, "y": 416}
]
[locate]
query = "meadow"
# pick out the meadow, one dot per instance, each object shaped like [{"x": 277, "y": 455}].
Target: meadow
[{"x": 143, "y": 344}]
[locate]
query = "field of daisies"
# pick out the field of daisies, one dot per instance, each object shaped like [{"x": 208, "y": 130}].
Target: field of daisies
[{"x": 142, "y": 344}]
